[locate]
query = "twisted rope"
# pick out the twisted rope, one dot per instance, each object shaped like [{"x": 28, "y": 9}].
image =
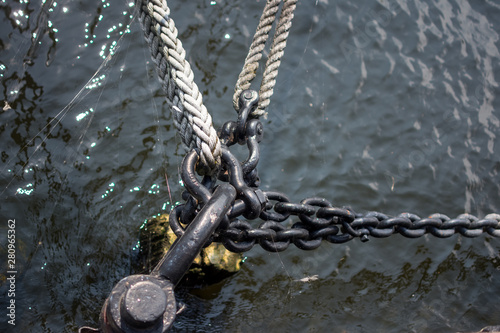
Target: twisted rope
[
  {"x": 191, "y": 118},
  {"x": 254, "y": 55},
  {"x": 251, "y": 65},
  {"x": 274, "y": 59}
]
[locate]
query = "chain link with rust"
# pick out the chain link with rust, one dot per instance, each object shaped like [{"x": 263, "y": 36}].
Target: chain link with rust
[{"x": 318, "y": 219}]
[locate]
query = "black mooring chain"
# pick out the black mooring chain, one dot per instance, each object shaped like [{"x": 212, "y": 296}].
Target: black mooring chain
[{"x": 319, "y": 219}]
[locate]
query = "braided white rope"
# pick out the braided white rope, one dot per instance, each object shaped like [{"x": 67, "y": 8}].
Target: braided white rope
[
  {"x": 191, "y": 117},
  {"x": 251, "y": 65}
]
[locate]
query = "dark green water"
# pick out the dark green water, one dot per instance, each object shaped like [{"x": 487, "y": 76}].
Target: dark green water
[{"x": 389, "y": 106}]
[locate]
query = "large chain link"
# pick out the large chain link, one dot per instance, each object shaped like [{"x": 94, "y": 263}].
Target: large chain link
[{"x": 318, "y": 218}]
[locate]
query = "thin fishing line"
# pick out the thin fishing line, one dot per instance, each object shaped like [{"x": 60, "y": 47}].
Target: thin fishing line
[{"x": 80, "y": 95}]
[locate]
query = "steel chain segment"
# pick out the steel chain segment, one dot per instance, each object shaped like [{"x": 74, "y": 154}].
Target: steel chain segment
[{"x": 318, "y": 219}]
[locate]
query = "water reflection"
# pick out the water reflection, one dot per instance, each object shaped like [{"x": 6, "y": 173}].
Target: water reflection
[{"x": 385, "y": 106}]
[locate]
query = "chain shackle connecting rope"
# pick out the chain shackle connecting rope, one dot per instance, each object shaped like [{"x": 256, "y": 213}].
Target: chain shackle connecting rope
[
  {"x": 191, "y": 118},
  {"x": 318, "y": 219}
]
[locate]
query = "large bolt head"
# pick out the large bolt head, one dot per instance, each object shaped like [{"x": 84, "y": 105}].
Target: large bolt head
[{"x": 143, "y": 305}]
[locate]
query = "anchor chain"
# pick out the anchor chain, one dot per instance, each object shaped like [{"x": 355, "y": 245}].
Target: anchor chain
[
  {"x": 222, "y": 213},
  {"x": 318, "y": 218}
]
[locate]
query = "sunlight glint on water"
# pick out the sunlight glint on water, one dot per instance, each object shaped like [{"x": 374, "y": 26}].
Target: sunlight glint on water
[{"x": 387, "y": 106}]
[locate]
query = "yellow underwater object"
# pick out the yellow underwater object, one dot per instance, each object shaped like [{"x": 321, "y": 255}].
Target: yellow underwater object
[{"x": 213, "y": 264}]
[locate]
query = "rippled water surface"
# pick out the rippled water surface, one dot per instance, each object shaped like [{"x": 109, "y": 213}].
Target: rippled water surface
[{"x": 381, "y": 105}]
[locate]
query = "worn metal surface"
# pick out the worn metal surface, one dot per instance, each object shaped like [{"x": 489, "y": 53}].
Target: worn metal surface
[
  {"x": 184, "y": 250},
  {"x": 213, "y": 264}
]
